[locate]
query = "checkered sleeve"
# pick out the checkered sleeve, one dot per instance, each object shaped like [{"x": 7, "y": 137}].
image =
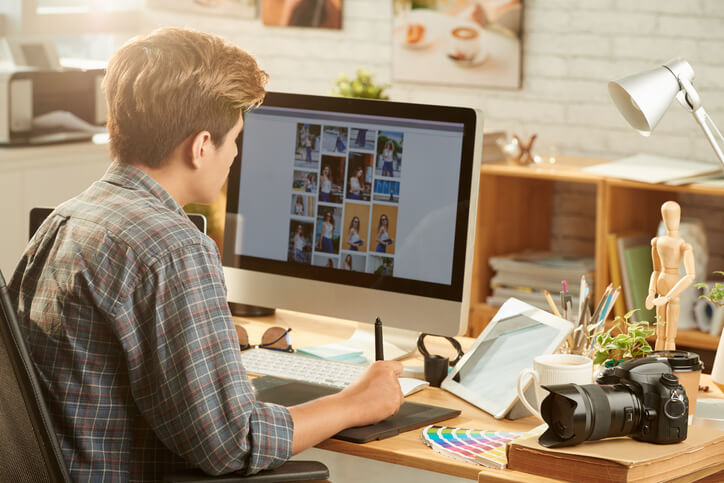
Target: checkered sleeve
[{"x": 186, "y": 373}]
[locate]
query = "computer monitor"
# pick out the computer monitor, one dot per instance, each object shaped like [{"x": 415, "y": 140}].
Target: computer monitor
[{"x": 356, "y": 209}]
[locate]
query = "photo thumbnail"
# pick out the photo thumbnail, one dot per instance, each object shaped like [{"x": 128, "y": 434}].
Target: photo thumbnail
[
  {"x": 380, "y": 265},
  {"x": 331, "y": 179},
  {"x": 387, "y": 190},
  {"x": 328, "y": 261},
  {"x": 327, "y": 236},
  {"x": 356, "y": 227},
  {"x": 306, "y": 154},
  {"x": 334, "y": 139},
  {"x": 359, "y": 181},
  {"x": 362, "y": 138},
  {"x": 384, "y": 228},
  {"x": 300, "y": 241},
  {"x": 304, "y": 181},
  {"x": 353, "y": 262},
  {"x": 389, "y": 154},
  {"x": 302, "y": 205}
]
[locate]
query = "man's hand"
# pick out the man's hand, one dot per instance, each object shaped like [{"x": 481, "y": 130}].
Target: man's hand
[{"x": 376, "y": 395}]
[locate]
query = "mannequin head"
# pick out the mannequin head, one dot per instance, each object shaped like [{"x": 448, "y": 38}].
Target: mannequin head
[{"x": 671, "y": 214}]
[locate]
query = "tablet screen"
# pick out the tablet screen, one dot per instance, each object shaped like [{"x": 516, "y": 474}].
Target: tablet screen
[
  {"x": 508, "y": 349},
  {"x": 487, "y": 375}
]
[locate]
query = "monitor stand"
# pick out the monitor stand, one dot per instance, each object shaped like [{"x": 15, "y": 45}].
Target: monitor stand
[
  {"x": 244, "y": 310},
  {"x": 396, "y": 343}
]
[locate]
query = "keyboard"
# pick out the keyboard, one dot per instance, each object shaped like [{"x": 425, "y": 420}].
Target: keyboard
[{"x": 298, "y": 367}]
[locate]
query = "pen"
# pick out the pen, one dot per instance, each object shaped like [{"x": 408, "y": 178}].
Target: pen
[
  {"x": 565, "y": 300},
  {"x": 551, "y": 303},
  {"x": 379, "y": 352}
]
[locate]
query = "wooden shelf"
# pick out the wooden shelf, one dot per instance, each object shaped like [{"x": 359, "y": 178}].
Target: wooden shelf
[
  {"x": 697, "y": 339},
  {"x": 515, "y": 211}
]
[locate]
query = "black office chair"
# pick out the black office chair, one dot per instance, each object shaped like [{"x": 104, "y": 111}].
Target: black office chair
[{"x": 29, "y": 451}]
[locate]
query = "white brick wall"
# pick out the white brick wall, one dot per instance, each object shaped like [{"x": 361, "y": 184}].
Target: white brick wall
[{"x": 571, "y": 48}]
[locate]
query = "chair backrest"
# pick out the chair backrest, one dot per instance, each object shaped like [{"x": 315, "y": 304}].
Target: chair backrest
[
  {"x": 29, "y": 450},
  {"x": 39, "y": 214}
]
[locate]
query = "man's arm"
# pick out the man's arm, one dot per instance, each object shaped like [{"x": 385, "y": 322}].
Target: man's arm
[{"x": 373, "y": 397}]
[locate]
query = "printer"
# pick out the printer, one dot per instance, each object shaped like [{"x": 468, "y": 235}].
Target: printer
[{"x": 41, "y": 106}]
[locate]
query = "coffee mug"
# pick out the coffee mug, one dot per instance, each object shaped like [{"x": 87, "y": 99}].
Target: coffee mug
[
  {"x": 464, "y": 42},
  {"x": 553, "y": 369}
]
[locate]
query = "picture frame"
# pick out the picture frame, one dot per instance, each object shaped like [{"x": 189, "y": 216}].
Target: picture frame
[{"x": 226, "y": 8}]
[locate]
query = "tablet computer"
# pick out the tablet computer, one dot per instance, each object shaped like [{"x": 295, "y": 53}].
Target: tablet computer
[{"x": 487, "y": 374}]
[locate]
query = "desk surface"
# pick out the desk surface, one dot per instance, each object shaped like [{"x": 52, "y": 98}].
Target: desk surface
[{"x": 407, "y": 448}]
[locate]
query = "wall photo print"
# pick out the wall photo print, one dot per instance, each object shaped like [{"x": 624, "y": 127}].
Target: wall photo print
[
  {"x": 458, "y": 42},
  {"x": 302, "y": 13},
  {"x": 227, "y": 8}
]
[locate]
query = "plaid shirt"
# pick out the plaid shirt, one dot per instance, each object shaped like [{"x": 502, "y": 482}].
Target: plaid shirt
[{"x": 123, "y": 305}]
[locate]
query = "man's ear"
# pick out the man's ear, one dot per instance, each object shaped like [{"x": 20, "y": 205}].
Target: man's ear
[{"x": 200, "y": 146}]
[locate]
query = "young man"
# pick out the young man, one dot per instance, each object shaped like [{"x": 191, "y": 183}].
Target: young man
[{"x": 123, "y": 303}]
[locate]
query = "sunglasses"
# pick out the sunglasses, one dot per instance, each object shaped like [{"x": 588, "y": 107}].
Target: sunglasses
[{"x": 275, "y": 338}]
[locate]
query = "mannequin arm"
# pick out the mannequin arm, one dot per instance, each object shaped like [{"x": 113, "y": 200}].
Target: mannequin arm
[
  {"x": 649, "y": 303},
  {"x": 690, "y": 268}
]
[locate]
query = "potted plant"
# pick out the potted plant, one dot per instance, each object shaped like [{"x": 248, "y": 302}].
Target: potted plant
[
  {"x": 623, "y": 340},
  {"x": 362, "y": 85},
  {"x": 716, "y": 293}
]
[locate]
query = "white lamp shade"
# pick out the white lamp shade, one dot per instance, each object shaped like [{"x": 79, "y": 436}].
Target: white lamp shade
[{"x": 643, "y": 98}]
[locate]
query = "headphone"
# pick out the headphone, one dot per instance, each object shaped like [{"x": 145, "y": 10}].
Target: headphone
[{"x": 423, "y": 350}]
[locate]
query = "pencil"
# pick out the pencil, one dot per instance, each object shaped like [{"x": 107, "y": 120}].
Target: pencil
[{"x": 551, "y": 303}]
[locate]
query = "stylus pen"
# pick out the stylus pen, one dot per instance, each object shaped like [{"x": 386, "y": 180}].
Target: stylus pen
[{"x": 379, "y": 352}]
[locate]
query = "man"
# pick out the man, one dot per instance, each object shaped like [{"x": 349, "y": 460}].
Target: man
[{"x": 122, "y": 301}]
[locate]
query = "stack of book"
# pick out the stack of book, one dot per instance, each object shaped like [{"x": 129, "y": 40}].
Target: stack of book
[
  {"x": 700, "y": 455},
  {"x": 526, "y": 275}
]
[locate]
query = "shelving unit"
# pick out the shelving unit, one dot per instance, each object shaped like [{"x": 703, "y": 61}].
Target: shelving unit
[{"x": 515, "y": 213}]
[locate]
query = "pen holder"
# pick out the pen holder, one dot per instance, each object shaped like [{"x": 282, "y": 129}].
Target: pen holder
[{"x": 436, "y": 366}]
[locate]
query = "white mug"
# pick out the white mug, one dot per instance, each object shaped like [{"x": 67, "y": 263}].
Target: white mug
[{"x": 553, "y": 369}]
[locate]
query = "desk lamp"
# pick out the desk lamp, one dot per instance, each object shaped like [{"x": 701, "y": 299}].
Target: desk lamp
[{"x": 643, "y": 99}]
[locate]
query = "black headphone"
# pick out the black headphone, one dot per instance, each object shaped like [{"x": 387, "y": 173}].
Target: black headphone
[{"x": 425, "y": 353}]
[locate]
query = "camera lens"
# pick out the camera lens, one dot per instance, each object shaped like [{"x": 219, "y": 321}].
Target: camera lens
[{"x": 577, "y": 413}]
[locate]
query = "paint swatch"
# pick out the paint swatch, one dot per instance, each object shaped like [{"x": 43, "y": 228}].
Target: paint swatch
[{"x": 473, "y": 445}]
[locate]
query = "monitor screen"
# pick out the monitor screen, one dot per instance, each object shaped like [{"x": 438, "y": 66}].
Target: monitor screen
[{"x": 363, "y": 199}]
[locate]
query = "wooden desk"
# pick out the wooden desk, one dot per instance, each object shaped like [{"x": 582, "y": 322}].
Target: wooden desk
[{"x": 407, "y": 448}]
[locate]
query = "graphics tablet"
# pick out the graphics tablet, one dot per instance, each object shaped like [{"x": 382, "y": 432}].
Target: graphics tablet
[
  {"x": 487, "y": 374},
  {"x": 411, "y": 415}
]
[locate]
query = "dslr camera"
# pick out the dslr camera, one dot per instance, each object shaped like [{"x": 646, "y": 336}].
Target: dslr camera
[{"x": 641, "y": 398}]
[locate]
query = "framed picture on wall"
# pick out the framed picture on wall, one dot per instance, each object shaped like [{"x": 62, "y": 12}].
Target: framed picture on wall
[
  {"x": 302, "y": 13},
  {"x": 457, "y": 42},
  {"x": 227, "y": 8}
]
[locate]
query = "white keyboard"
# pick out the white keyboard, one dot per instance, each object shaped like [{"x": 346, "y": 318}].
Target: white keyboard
[{"x": 267, "y": 362}]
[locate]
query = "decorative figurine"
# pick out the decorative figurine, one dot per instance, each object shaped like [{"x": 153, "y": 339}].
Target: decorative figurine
[{"x": 667, "y": 253}]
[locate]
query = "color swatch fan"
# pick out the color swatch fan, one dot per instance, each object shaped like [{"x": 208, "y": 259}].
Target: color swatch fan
[{"x": 472, "y": 445}]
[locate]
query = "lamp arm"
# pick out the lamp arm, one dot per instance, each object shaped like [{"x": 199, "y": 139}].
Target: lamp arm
[
  {"x": 691, "y": 101},
  {"x": 707, "y": 125}
]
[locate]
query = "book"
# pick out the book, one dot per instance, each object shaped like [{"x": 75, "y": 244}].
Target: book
[
  {"x": 615, "y": 272},
  {"x": 544, "y": 265},
  {"x": 622, "y": 459},
  {"x": 634, "y": 254},
  {"x": 652, "y": 168},
  {"x": 480, "y": 447}
]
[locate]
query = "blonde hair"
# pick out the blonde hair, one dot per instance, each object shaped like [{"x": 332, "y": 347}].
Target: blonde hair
[{"x": 163, "y": 87}]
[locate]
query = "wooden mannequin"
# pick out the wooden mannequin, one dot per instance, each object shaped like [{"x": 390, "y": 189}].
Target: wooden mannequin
[{"x": 667, "y": 253}]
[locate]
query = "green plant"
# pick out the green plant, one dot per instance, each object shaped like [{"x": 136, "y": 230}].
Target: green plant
[
  {"x": 629, "y": 343},
  {"x": 716, "y": 293},
  {"x": 361, "y": 86}
]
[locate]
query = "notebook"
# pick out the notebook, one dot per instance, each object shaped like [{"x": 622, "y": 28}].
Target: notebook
[{"x": 410, "y": 416}]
